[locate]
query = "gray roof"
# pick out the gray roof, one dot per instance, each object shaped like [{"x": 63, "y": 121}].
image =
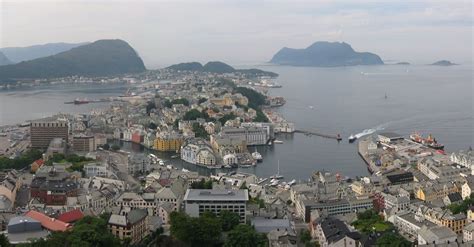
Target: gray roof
[
  {"x": 216, "y": 195},
  {"x": 263, "y": 225},
  {"x": 436, "y": 233},
  {"x": 390, "y": 135}
]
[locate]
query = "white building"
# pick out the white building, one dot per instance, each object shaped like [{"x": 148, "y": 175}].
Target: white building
[
  {"x": 96, "y": 170},
  {"x": 197, "y": 201}
]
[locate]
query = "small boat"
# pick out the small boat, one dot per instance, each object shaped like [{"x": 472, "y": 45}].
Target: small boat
[
  {"x": 274, "y": 183},
  {"x": 277, "y": 176},
  {"x": 161, "y": 163},
  {"x": 169, "y": 167},
  {"x": 257, "y": 156},
  {"x": 352, "y": 138},
  {"x": 339, "y": 138},
  {"x": 291, "y": 182},
  {"x": 184, "y": 170},
  {"x": 277, "y": 142}
]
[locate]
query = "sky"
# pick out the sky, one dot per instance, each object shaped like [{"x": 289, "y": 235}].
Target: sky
[{"x": 246, "y": 31}]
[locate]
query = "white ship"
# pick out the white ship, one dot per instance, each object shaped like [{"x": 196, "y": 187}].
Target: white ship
[{"x": 257, "y": 156}]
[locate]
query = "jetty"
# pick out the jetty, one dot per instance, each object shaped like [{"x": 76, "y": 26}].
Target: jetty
[{"x": 316, "y": 133}]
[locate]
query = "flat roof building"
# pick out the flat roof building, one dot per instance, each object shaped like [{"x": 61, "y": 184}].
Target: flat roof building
[
  {"x": 197, "y": 201},
  {"x": 44, "y": 130}
]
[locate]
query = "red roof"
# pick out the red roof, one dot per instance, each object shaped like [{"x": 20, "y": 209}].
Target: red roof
[
  {"x": 39, "y": 162},
  {"x": 71, "y": 216},
  {"x": 47, "y": 222}
]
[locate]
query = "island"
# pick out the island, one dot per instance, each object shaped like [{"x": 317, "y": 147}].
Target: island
[
  {"x": 20, "y": 54},
  {"x": 443, "y": 63},
  {"x": 219, "y": 68},
  {"x": 325, "y": 54},
  {"x": 100, "y": 58}
]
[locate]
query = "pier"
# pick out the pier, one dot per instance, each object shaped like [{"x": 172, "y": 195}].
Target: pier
[{"x": 316, "y": 133}]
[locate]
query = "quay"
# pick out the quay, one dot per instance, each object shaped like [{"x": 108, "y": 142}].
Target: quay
[{"x": 309, "y": 132}]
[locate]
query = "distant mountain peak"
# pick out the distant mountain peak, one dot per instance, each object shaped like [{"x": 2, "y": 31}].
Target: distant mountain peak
[
  {"x": 20, "y": 54},
  {"x": 325, "y": 54},
  {"x": 4, "y": 59},
  {"x": 443, "y": 63}
]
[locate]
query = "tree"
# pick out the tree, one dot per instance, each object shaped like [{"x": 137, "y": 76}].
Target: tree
[
  {"x": 244, "y": 236},
  {"x": 193, "y": 114},
  {"x": 199, "y": 131},
  {"x": 229, "y": 220},
  {"x": 115, "y": 147},
  {"x": 21, "y": 162},
  {"x": 180, "y": 101},
  {"x": 226, "y": 118},
  {"x": 106, "y": 146},
  {"x": 202, "y": 184},
  {"x": 203, "y": 231},
  {"x": 4, "y": 241},
  {"x": 149, "y": 106},
  {"x": 202, "y": 100},
  {"x": 152, "y": 126},
  {"x": 305, "y": 236},
  {"x": 255, "y": 98}
]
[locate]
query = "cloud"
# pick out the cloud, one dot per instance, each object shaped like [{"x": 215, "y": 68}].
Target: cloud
[{"x": 166, "y": 32}]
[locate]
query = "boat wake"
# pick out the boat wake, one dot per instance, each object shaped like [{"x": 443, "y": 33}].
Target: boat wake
[{"x": 368, "y": 132}]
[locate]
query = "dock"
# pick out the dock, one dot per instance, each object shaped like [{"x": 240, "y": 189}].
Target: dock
[{"x": 316, "y": 133}]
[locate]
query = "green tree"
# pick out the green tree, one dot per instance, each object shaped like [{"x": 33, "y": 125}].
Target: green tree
[
  {"x": 255, "y": 98},
  {"x": 199, "y": 131},
  {"x": 4, "y": 241},
  {"x": 305, "y": 236},
  {"x": 202, "y": 100},
  {"x": 244, "y": 236},
  {"x": 152, "y": 126},
  {"x": 203, "y": 231},
  {"x": 229, "y": 220},
  {"x": 23, "y": 161},
  {"x": 149, "y": 106},
  {"x": 193, "y": 114},
  {"x": 106, "y": 146},
  {"x": 226, "y": 118},
  {"x": 180, "y": 101}
]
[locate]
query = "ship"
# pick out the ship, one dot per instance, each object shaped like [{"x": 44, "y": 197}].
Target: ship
[
  {"x": 430, "y": 141},
  {"x": 81, "y": 101},
  {"x": 257, "y": 156},
  {"x": 352, "y": 138}
]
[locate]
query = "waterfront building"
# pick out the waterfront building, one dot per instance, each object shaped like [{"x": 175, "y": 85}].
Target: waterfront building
[
  {"x": 129, "y": 225},
  {"x": 149, "y": 139},
  {"x": 252, "y": 135},
  {"x": 463, "y": 158},
  {"x": 168, "y": 141},
  {"x": 388, "y": 137},
  {"x": 45, "y": 130},
  {"x": 228, "y": 145},
  {"x": 198, "y": 151},
  {"x": 138, "y": 136},
  {"x": 83, "y": 143},
  {"x": 198, "y": 201}
]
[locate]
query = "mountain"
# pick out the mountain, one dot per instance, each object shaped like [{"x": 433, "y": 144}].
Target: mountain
[
  {"x": 219, "y": 68},
  {"x": 101, "y": 58},
  {"x": 4, "y": 59},
  {"x": 325, "y": 54},
  {"x": 443, "y": 63},
  {"x": 19, "y": 54}
]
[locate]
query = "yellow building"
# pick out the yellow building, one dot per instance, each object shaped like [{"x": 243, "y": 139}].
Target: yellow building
[
  {"x": 431, "y": 192},
  {"x": 168, "y": 142},
  {"x": 444, "y": 217}
]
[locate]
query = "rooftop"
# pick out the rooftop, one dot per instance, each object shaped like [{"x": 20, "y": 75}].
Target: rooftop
[{"x": 216, "y": 195}]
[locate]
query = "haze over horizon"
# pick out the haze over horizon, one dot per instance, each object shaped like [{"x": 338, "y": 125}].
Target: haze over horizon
[{"x": 246, "y": 32}]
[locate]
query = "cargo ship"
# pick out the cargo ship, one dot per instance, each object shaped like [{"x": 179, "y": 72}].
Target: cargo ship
[{"x": 430, "y": 141}]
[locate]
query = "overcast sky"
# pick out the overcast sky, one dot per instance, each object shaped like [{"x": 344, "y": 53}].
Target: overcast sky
[{"x": 247, "y": 32}]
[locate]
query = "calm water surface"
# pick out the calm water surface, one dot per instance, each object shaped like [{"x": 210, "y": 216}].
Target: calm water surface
[{"x": 348, "y": 100}]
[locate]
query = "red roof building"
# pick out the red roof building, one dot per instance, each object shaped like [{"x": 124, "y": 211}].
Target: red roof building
[
  {"x": 47, "y": 222},
  {"x": 71, "y": 216}
]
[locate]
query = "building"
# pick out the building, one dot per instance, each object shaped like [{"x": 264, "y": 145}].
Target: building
[
  {"x": 442, "y": 217},
  {"x": 36, "y": 165},
  {"x": 23, "y": 229},
  {"x": 96, "y": 170},
  {"x": 468, "y": 232},
  {"x": 43, "y": 131},
  {"x": 9, "y": 184},
  {"x": 408, "y": 225},
  {"x": 83, "y": 143},
  {"x": 436, "y": 235},
  {"x": 47, "y": 222},
  {"x": 56, "y": 146},
  {"x": 253, "y": 135},
  {"x": 197, "y": 201},
  {"x": 282, "y": 238},
  {"x": 468, "y": 187},
  {"x": 53, "y": 184},
  {"x": 334, "y": 207},
  {"x": 334, "y": 232},
  {"x": 388, "y": 137},
  {"x": 463, "y": 158},
  {"x": 431, "y": 191},
  {"x": 131, "y": 224},
  {"x": 139, "y": 163},
  {"x": 166, "y": 142},
  {"x": 198, "y": 151},
  {"x": 228, "y": 145},
  {"x": 435, "y": 170}
]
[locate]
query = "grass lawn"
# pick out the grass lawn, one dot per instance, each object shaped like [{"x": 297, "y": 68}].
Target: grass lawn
[{"x": 381, "y": 226}]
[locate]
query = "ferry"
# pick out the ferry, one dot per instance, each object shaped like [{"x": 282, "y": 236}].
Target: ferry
[{"x": 352, "y": 138}]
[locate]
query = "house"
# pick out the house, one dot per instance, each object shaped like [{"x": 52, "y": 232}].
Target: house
[
  {"x": 436, "y": 235},
  {"x": 452, "y": 198},
  {"x": 164, "y": 211},
  {"x": 332, "y": 232},
  {"x": 129, "y": 224},
  {"x": 468, "y": 187},
  {"x": 468, "y": 232},
  {"x": 282, "y": 238}
]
